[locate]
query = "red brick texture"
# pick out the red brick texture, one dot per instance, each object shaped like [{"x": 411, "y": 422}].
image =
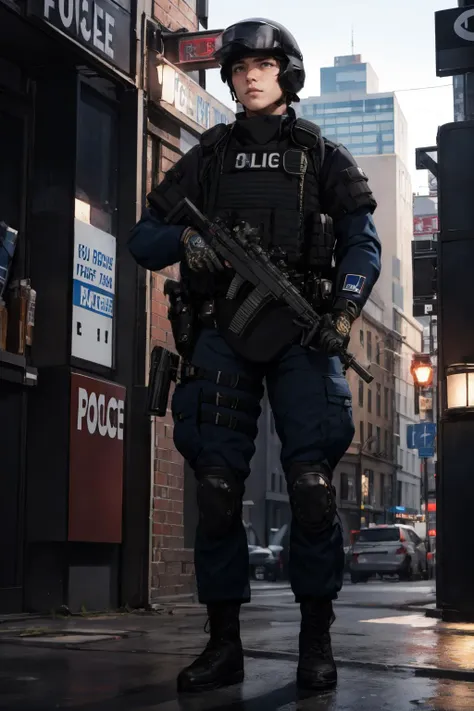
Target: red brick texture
[
  {"x": 172, "y": 570},
  {"x": 175, "y": 14}
]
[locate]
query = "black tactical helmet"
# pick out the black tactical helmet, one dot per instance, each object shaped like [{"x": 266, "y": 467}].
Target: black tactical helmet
[{"x": 256, "y": 36}]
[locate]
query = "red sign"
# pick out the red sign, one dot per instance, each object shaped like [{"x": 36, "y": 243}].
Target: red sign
[
  {"x": 96, "y": 460},
  {"x": 197, "y": 49},
  {"x": 425, "y": 225}
]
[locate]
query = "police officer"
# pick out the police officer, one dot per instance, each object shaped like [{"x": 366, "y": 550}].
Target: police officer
[{"x": 310, "y": 206}]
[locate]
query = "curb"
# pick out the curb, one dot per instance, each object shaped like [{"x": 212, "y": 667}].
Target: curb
[
  {"x": 414, "y": 606},
  {"x": 429, "y": 672}
]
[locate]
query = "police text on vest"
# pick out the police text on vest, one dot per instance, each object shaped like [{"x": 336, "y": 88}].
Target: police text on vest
[{"x": 257, "y": 160}]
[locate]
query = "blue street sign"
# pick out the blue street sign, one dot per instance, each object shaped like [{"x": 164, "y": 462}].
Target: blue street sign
[
  {"x": 422, "y": 437},
  {"x": 411, "y": 437},
  {"x": 425, "y": 433}
]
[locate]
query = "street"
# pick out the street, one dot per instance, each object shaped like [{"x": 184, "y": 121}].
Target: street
[
  {"x": 391, "y": 657},
  {"x": 374, "y": 593}
]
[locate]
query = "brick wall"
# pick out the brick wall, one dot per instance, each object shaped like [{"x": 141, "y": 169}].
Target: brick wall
[
  {"x": 175, "y": 14},
  {"x": 172, "y": 564}
]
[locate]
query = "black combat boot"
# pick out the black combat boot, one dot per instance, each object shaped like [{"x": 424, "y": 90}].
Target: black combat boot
[
  {"x": 222, "y": 661},
  {"x": 316, "y": 666}
]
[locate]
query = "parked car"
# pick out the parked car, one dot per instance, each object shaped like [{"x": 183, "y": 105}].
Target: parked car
[
  {"x": 270, "y": 562},
  {"x": 388, "y": 550}
]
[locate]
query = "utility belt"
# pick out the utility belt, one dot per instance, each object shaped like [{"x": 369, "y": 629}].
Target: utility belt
[{"x": 189, "y": 312}]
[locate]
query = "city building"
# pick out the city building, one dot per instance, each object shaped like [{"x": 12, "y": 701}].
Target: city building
[
  {"x": 71, "y": 462},
  {"x": 96, "y": 103},
  {"x": 371, "y": 124}
]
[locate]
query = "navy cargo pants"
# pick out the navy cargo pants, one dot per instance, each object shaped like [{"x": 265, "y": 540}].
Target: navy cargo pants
[{"x": 311, "y": 404}]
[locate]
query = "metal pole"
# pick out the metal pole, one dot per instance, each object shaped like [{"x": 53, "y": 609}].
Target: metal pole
[
  {"x": 425, "y": 494},
  {"x": 467, "y": 80}
]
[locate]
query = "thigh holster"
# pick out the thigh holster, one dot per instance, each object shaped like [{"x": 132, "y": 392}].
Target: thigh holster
[
  {"x": 219, "y": 498},
  {"x": 312, "y": 495}
]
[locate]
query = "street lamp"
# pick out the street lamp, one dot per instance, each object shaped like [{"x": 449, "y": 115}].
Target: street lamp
[
  {"x": 422, "y": 370},
  {"x": 460, "y": 387}
]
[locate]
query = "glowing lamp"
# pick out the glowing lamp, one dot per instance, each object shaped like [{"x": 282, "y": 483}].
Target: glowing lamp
[
  {"x": 422, "y": 370},
  {"x": 460, "y": 386}
]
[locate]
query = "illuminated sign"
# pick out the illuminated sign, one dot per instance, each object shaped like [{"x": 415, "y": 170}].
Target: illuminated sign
[
  {"x": 197, "y": 49},
  {"x": 178, "y": 94}
]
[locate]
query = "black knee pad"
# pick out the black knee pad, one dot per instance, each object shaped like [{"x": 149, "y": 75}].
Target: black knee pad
[
  {"x": 312, "y": 496},
  {"x": 219, "y": 498}
]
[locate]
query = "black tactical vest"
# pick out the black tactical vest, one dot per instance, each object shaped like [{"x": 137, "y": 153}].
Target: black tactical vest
[
  {"x": 265, "y": 171},
  {"x": 265, "y": 177}
]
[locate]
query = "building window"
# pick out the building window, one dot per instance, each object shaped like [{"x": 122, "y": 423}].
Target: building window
[
  {"x": 97, "y": 158},
  {"x": 369, "y": 433},
  {"x": 382, "y": 490},
  {"x": 361, "y": 393},
  {"x": 273, "y": 484},
  {"x": 385, "y": 116},
  {"x": 364, "y": 488},
  {"x": 399, "y": 493},
  {"x": 361, "y": 336},
  {"x": 361, "y": 433},
  {"x": 369, "y": 345},
  {"x": 387, "y": 447},
  {"x": 385, "y": 402},
  {"x": 379, "y": 439},
  {"x": 369, "y": 400},
  {"x": 378, "y": 400},
  {"x": 377, "y": 352},
  {"x": 372, "y": 496},
  {"x": 348, "y": 489}
]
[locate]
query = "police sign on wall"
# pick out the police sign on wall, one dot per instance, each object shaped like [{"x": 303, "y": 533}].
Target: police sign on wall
[
  {"x": 454, "y": 41},
  {"x": 103, "y": 26},
  {"x": 96, "y": 460},
  {"x": 93, "y": 294}
]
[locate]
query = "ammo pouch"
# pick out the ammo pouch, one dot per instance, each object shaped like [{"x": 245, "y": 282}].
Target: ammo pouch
[
  {"x": 320, "y": 242},
  {"x": 182, "y": 317}
]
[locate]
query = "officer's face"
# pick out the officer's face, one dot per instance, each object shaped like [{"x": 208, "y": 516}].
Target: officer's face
[{"x": 255, "y": 81}]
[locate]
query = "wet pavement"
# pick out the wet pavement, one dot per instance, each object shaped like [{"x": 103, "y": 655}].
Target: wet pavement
[{"x": 389, "y": 659}]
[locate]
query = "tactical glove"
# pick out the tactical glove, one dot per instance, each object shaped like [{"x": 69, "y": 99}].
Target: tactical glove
[
  {"x": 198, "y": 255},
  {"x": 336, "y": 326}
]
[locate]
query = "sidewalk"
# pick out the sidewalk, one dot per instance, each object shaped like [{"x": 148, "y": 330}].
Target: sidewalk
[{"x": 389, "y": 660}]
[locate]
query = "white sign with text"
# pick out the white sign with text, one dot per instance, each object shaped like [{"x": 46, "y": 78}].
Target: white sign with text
[{"x": 93, "y": 301}]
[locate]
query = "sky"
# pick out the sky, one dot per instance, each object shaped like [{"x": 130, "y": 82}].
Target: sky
[{"x": 395, "y": 36}]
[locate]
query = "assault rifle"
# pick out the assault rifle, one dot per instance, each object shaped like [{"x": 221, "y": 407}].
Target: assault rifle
[{"x": 252, "y": 264}]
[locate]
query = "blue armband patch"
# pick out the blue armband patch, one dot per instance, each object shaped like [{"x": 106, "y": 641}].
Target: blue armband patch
[{"x": 354, "y": 283}]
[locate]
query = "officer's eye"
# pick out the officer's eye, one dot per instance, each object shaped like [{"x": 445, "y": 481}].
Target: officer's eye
[
  {"x": 237, "y": 68},
  {"x": 268, "y": 63}
]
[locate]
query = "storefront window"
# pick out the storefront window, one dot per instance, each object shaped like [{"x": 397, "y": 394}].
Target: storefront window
[
  {"x": 187, "y": 141},
  {"x": 97, "y": 161}
]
